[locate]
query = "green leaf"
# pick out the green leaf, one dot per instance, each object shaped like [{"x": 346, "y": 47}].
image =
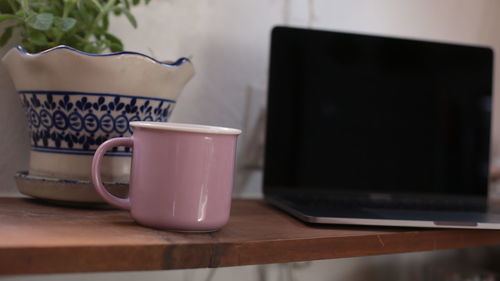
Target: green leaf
[
  {"x": 64, "y": 24},
  {"x": 21, "y": 14},
  {"x": 115, "y": 47},
  {"x": 68, "y": 23},
  {"x": 41, "y": 21},
  {"x": 113, "y": 39},
  {"x": 118, "y": 11},
  {"x": 37, "y": 38},
  {"x": 105, "y": 22},
  {"x": 115, "y": 44},
  {"x": 7, "y": 34},
  {"x": 130, "y": 18},
  {"x": 109, "y": 6},
  {"x": 97, "y": 5},
  {"x": 4, "y": 17},
  {"x": 136, "y": 2}
]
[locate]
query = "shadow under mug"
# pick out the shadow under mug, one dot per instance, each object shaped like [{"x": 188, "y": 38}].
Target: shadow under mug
[{"x": 181, "y": 176}]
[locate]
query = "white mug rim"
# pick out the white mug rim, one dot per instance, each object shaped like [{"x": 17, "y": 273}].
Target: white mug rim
[{"x": 185, "y": 127}]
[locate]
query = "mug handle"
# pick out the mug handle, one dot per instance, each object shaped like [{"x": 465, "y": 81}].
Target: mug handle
[{"x": 123, "y": 203}]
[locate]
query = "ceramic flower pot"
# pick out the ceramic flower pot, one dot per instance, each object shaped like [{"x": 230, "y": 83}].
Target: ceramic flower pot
[{"x": 74, "y": 101}]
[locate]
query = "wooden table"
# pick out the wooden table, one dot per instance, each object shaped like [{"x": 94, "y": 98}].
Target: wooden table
[{"x": 40, "y": 238}]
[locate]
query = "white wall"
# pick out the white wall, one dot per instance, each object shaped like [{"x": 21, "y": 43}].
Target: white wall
[{"x": 228, "y": 41}]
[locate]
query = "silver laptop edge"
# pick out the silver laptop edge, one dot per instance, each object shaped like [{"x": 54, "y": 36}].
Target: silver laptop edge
[{"x": 381, "y": 222}]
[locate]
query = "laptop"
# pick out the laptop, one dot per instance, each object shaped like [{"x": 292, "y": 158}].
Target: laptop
[{"x": 373, "y": 130}]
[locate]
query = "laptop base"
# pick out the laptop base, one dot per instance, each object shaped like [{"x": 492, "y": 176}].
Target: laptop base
[{"x": 390, "y": 217}]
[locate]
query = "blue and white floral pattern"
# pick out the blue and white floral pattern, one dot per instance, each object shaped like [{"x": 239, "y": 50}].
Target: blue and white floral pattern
[{"x": 77, "y": 123}]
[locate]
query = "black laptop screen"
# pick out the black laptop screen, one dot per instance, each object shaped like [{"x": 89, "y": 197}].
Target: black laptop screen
[{"x": 376, "y": 114}]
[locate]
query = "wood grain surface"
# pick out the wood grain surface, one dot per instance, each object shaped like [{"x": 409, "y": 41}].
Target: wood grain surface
[{"x": 39, "y": 238}]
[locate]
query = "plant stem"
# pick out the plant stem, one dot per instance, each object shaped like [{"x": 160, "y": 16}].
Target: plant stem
[
  {"x": 99, "y": 17},
  {"x": 25, "y": 4},
  {"x": 68, "y": 6}
]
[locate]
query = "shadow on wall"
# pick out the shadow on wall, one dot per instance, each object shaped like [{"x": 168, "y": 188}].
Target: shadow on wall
[
  {"x": 14, "y": 139},
  {"x": 251, "y": 153}
]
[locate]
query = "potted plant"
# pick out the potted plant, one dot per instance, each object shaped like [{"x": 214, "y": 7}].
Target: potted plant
[
  {"x": 81, "y": 24},
  {"x": 76, "y": 98}
]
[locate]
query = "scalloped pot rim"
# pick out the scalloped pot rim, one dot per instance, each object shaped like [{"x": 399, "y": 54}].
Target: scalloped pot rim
[{"x": 177, "y": 63}]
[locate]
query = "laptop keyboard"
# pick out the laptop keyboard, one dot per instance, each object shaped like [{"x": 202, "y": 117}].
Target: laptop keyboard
[{"x": 392, "y": 203}]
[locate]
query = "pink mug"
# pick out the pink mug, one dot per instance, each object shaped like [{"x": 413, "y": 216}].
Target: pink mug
[{"x": 181, "y": 176}]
